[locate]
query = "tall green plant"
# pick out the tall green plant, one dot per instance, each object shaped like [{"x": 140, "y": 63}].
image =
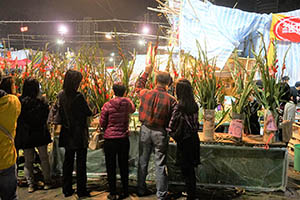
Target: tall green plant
[
  {"x": 208, "y": 88},
  {"x": 97, "y": 81},
  {"x": 271, "y": 92},
  {"x": 244, "y": 82}
]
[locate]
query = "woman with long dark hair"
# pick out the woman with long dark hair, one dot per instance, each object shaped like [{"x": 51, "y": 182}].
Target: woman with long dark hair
[
  {"x": 8, "y": 84},
  {"x": 32, "y": 131},
  {"x": 74, "y": 111},
  {"x": 185, "y": 115}
]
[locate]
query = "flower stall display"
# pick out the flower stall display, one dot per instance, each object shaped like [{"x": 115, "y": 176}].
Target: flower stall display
[
  {"x": 270, "y": 93},
  {"x": 243, "y": 81},
  {"x": 97, "y": 82},
  {"x": 208, "y": 90}
]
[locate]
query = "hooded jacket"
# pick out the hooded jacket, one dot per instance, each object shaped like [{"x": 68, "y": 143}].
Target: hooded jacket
[
  {"x": 115, "y": 117},
  {"x": 10, "y": 108}
]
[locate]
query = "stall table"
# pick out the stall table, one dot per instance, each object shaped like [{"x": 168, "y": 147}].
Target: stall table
[{"x": 249, "y": 165}]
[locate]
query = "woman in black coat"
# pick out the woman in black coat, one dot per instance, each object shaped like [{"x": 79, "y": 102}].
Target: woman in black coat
[
  {"x": 73, "y": 111},
  {"x": 32, "y": 131}
]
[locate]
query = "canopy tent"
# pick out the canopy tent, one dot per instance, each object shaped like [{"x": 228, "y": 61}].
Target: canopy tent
[{"x": 220, "y": 30}]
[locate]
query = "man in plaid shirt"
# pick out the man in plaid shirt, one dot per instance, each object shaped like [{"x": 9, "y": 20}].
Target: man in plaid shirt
[{"x": 155, "y": 111}]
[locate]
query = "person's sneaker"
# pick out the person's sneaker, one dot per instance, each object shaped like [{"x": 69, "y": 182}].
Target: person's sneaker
[
  {"x": 48, "y": 186},
  {"x": 31, "y": 188},
  {"x": 112, "y": 197}
]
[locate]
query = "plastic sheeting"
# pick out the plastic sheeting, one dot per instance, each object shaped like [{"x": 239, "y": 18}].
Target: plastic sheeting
[
  {"x": 96, "y": 160},
  {"x": 251, "y": 168},
  {"x": 237, "y": 166}
]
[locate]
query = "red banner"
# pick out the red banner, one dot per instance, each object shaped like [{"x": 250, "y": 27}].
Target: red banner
[{"x": 287, "y": 28}]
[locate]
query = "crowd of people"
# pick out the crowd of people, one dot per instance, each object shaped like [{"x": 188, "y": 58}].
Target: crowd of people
[{"x": 23, "y": 125}]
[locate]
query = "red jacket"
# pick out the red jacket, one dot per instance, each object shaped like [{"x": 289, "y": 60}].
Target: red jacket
[{"x": 114, "y": 117}]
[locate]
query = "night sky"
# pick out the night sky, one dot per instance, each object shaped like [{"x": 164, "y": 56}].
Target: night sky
[
  {"x": 72, "y": 10},
  {"x": 98, "y": 9}
]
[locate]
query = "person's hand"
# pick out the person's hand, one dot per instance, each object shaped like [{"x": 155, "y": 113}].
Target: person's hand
[{"x": 148, "y": 68}]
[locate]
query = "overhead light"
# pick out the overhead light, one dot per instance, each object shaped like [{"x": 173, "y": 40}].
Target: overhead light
[
  {"x": 112, "y": 54},
  {"x": 142, "y": 42},
  {"x": 62, "y": 29},
  {"x": 24, "y": 29},
  {"x": 111, "y": 59},
  {"x": 60, "y": 41},
  {"x": 145, "y": 30},
  {"x": 108, "y": 36}
]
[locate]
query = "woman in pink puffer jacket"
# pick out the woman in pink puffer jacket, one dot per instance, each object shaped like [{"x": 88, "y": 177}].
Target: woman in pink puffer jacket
[{"x": 115, "y": 120}]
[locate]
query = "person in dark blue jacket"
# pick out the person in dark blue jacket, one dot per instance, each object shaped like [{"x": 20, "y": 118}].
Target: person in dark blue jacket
[{"x": 295, "y": 91}]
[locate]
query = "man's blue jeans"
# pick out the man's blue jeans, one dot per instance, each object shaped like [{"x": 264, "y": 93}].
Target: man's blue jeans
[
  {"x": 158, "y": 141},
  {"x": 8, "y": 184}
]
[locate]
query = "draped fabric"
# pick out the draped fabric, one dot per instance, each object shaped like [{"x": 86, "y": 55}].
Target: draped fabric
[{"x": 219, "y": 30}]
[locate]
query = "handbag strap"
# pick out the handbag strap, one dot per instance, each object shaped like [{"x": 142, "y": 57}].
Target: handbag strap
[{"x": 4, "y": 130}]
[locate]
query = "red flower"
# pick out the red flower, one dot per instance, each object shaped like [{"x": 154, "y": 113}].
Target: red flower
[
  {"x": 24, "y": 75},
  {"x": 151, "y": 86},
  {"x": 175, "y": 74},
  {"x": 107, "y": 96},
  {"x": 275, "y": 69}
]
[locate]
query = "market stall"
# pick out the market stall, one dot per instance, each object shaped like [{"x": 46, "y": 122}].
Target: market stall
[
  {"x": 223, "y": 164},
  {"x": 227, "y": 160}
]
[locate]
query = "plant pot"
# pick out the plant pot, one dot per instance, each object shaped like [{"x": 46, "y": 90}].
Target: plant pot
[
  {"x": 208, "y": 125},
  {"x": 236, "y": 127},
  {"x": 270, "y": 127}
]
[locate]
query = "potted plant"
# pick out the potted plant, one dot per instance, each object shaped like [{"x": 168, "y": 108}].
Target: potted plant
[
  {"x": 244, "y": 81},
  {"x": 270, "y": 93},
  {"x": 208, "y": 90}
]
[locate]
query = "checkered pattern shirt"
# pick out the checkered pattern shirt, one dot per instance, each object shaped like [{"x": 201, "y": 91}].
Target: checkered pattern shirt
[{"x": 156, "y": 105}]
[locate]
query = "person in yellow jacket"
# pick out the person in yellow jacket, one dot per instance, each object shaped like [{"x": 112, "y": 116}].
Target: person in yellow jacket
[{"x": 10, "y": 109}]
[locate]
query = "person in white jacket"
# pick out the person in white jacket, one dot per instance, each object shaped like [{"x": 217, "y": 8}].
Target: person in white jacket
[{"x": 288, "y": 120}]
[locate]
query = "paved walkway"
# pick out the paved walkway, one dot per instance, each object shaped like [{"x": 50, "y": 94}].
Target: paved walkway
[{"x": 99, "y": 188}]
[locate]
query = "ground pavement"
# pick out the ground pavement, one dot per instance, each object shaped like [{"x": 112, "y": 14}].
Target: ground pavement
[{"x": 98, "y": 188}]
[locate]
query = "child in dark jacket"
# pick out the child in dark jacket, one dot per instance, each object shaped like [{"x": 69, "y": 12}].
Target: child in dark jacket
[{"x": 115, "y": 120}]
